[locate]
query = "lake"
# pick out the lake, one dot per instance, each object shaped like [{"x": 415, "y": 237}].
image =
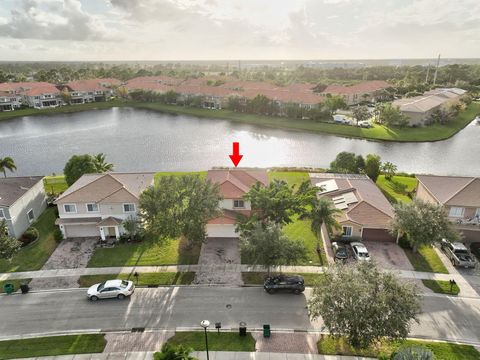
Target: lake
[{"x": 144, "y": 140}]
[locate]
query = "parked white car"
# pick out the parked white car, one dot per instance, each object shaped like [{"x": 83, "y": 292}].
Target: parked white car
[
  {"x": 111, "y": 289},
  {"x": 341, "y": 119},
  {"x": 365, "y": 124},
  {"x": 360, "y": 252}
]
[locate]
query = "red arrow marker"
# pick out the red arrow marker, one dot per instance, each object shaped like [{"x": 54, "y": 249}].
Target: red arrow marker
[{"x": 236, "y": 157}]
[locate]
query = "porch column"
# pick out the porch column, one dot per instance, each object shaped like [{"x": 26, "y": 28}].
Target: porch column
[
  {"x": 117, "y": 233},
  {"x": 62, "y": 229},
  {"x": 102, "y": 233}
]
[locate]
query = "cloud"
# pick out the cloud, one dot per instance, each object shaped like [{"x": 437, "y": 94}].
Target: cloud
[{"x": 52, "y": 20}]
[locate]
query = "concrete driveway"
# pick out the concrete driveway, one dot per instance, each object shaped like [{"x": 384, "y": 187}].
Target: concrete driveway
[{"x": 389, "y": 255}]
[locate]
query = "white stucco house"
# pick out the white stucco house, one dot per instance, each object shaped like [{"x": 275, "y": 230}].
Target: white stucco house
[
  {"x": 234, "y": 184},
  {"x": 97, "y": 204}
]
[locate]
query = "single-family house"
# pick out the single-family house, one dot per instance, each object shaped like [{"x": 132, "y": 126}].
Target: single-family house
[
  {"x": 97, "y": 204},
  {"x": 234, "y": 184},
  {"x": 9, "y": 100},
  {"x": 22, "y": 201},
  {"x": 41, "y": 95},
  {"x": 366, "y": 212},
  {"x": 92, "y": 90},
  {"x": 459, "y": 195}
]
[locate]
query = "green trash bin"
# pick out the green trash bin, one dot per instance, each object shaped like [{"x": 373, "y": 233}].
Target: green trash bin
[
  {"x": 8, "y": 288},
  {"x": 266, "y": 331}
]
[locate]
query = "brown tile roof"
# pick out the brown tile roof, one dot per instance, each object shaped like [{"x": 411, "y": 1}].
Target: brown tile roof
[
  {"x": 448, "y": 188},
  {"x": 372, "y": 208},
  {"x": 114, "y": 187},
  {"x": 110, "y": 221},
  {"x": 13, "y": 188},
  {"x": 93, "y": 84},
  {"x": 360, "y": 88},
  {"x": 235, "y": 183}
]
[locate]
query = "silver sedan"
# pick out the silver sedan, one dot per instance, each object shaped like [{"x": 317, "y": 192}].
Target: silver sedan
[{"x": 111, "y": 289}]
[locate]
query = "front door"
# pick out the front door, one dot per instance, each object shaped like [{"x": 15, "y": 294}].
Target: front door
[{"x": 110, "y": 232}]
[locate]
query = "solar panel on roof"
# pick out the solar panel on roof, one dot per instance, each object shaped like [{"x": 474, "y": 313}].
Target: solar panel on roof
[{"x": 328, "y": 185}]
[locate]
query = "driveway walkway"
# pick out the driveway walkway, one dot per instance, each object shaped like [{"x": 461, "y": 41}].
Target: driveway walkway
[
  {"x": 69, "y": 254},
  {"x": 219, "y": 252}
]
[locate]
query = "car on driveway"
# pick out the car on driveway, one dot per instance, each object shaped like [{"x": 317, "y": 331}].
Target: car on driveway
[
  {"x": 291, "y": 283},
  {"x": 119, "y": 289},
  {"x": 365, "y": 124},
  {"x": 458, "y": 254},
  {"x": 339, "y": 252},
  {"x": 360, "y": 252}
]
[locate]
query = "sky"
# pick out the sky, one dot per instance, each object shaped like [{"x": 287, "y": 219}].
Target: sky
[{"x": 70, "y": 30}]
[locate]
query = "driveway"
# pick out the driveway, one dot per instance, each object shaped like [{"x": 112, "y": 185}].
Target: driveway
[
  {"x": 69, "y": 254},
  {"x": 389, "y": 255},
  {"x": 215, "y": 253}
]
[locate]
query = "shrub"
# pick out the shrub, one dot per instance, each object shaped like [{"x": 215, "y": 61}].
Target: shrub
[
  {"x": 29, "y": 236},
  {"x": 57, "y": 235},
  {"x": 413, "y": 353},
  {"x": 404, "y": 243},
  {"x": 172, "y": 352}
]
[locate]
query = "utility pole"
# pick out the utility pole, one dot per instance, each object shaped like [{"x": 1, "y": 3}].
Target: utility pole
[
  {"x": 428, "y": 72},
  {"x": 436, "y": 70}
]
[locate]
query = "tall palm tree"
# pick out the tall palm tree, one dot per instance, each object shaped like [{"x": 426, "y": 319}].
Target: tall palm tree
[
  {"x": 101, "y": 164},
  {"x": 323, "y": 211},
  {"x": 7, "y": 163}
]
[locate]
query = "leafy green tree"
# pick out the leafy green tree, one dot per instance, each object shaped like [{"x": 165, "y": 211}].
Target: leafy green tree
[
  {"x": 8, "y": 245},
  {"x": 364, "y": 304},
  {"x": 173, "y": 352},
  {"x": 267, "y": 245},
  {"x": 7, "y": 163},
  {"x": 361, "y": 113},
  {"x": 322, "y": 212},
  {"x": 345, "y": 162},
  {"x": 372, "y": 166},
  {"x": 392, "y": 116},
  {"x": 413, "y": 353},
  {"x": 101, "y": 164},
  {"x": 334, "y": 102},
  {"x": 360, "y": 163},
  {"x": 422, "y": 223},
  {"x": 179, "y": 205},
  {"x": 77, "y": 166},
  {"x": 133, "y": 227},
  {"x": 389, "y": 169}
]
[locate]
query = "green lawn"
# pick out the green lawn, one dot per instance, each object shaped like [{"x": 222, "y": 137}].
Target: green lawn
[
  {"x": 329, "y": 345},
  {"x": 34, "y": 255},
  {"x": 223, "y": 341},
  {"x": 144, "y": 279},
  {"x": 53, "y": 345},
  {"x": 146, "y": 253},
  {"x": 55, "y": 184},
  {"x": 258, "y": 278},
  {"x": 16, "y": 283},
  {"x": 291, "y": 177},
  {"x": 441, "y": 287},
  {"x": 378, "y": 132},
  {"x": 426, "y": 259},
  {"x": 397, "y": 188}
]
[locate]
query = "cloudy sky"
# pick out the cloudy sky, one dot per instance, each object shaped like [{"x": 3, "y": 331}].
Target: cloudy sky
[{"x": 237, "y": 29}]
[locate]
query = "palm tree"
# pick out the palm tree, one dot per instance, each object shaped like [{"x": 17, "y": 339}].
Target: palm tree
[
  {"x": 389, "y": 169},
  {"x": 7, "y": 163},
  {"x": 100, "y": 163},
  {"x": 323, "y": 211}
]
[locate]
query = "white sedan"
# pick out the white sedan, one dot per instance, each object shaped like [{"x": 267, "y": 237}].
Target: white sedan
[
  {"x": 111, "y": 289},
  {"x": 360, "y": 252}
]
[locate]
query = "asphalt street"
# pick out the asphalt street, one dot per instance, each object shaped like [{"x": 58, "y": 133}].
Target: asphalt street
[{"x": 443, "y": 317}]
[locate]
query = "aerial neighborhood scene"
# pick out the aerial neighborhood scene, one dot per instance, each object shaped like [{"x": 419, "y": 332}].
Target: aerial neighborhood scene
[{"x": 204, "y": 179}]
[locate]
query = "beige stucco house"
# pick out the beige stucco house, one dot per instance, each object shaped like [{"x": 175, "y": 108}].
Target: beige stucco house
[
  {"x": 234, "y": 184},
  {"x": 366, "y": 212},
  {"x": 459, "y": 195},
  {"x": 97, "y": 204}
]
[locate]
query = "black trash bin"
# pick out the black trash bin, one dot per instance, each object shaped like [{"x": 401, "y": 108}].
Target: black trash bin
[
  {"x": 24, "y": 288},
  {"x": 266, "y": 330},
  {"x": 242, "y": 329}
]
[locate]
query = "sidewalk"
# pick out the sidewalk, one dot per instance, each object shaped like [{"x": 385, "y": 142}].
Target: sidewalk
[{"x": 201, "y": 355}]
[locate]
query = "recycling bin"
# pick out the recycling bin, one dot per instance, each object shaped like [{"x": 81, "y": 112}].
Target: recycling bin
[{"x": 8, "y": 288}]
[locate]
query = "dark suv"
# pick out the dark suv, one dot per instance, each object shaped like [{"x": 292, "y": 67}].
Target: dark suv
[
  {"x": 339, "y": 252},
  {"x": 292, "y": 283}
]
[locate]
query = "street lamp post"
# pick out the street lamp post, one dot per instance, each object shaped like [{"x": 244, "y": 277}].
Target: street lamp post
[{"x": 205, "y": 324}]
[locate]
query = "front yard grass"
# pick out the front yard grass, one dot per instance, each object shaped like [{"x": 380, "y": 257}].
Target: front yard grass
[
  {"x": 258, "y": 278},
  {"x": 148, "y": 252},
  {"x": 34, "y": 255},
  {"x": 397, "y": 189},
  {"x": 329, "y": 345},
  {"x": 222, "y": 341},
  {"x": 441, "y": 287},
  {"x": 55, "y": 184},
  {"x": 426, "y": 259},
  {"x": 52, "y": 345},
  {"x": 144, "y": 279}
]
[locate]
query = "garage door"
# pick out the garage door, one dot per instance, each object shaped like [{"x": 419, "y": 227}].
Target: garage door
[
  {"x": 225, "y": 231},
  {"x": 81, "y": 231},
  {"x": 377, "y": 235},
  {"x": 471, "y": 235}
]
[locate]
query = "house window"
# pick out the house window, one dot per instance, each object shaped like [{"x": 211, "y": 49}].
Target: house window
[
  {"x": 70, "y": 208},
  {"x": 30, "y": 215},
  {"x": 238, "y": 204},
  {"x": 92, "y": 207},
  {"x": 477, "y": 213},
  {"x": 128, "y": 208},
  {"x": 456, "y": 211},
  {"x": 2, "y": 214},
  {"x": 347, "y": 231}
]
